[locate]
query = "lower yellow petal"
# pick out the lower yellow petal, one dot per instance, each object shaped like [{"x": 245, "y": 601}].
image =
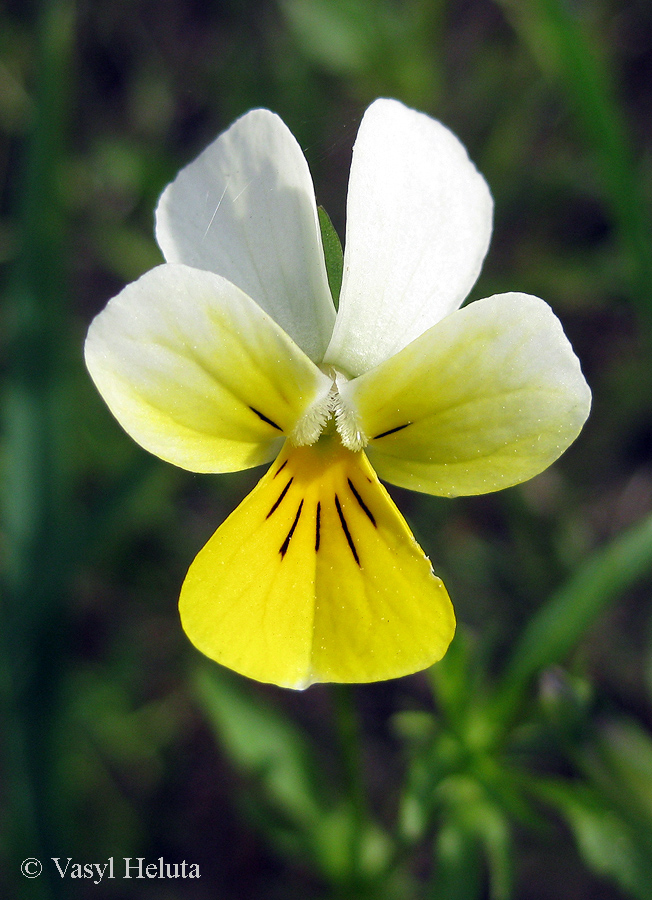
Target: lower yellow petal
[{"x": 317, "y": 577}]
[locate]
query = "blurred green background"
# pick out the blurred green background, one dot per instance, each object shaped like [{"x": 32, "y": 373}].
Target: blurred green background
[{"x": 521, "y": 766}]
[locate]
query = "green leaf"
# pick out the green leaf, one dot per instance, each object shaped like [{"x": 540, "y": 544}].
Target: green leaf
[
  {"x": 457, "y": 679},
  {"x": 475, "y": 838},
  {"x": 262, "y": 744},
  {"x": 458, "y": 865},
  {"x": 287, "y": 801},
  {"x": 570, "y": 55},
  {"x": 339, "y": 36},
  {"x": 562, "y": 622},
  {"x": 608, "y": 844},
  {"x": 620, "y": 762},
  {"x": 333, "y": 254}
]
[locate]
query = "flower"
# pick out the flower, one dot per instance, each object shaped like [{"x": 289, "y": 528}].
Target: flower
[{"x": 232, "y": 354}]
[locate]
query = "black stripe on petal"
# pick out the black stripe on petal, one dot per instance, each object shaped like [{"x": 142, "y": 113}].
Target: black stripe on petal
[
  {"x": 345, "y": 528},
  {"x": 318, "y": 527},
  {"x": 280, "y": 468},
  {"x": 391, "y": 431},
  {"x": 363, "y": 505},
  {"x": 282, "y": 494},
  {"x": 265, "y": 419},
  {"x": 286, "y": 543}
]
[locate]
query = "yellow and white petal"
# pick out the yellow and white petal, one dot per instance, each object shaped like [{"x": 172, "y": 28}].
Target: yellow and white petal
[
  {"x": 317, "y": 577},
  {"x": 486, "y": 399},
  {"x": 197, "y": 373},
  {"x": 245, "y": 209},
  {"x": 419, "y": 219}
]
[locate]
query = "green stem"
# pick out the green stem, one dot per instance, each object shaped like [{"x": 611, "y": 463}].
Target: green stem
[{"x": 348, "y": 728}]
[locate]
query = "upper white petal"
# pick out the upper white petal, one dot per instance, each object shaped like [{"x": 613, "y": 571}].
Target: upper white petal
[
  {"x": 245, "y": 209},
  {"x": 419, "y": 219}
]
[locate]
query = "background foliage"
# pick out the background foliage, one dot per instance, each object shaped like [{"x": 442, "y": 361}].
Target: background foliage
[{"x": 519, "y": 767}]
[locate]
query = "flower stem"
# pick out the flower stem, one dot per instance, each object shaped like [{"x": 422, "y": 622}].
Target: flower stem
[{"x": 348, "y": 729}]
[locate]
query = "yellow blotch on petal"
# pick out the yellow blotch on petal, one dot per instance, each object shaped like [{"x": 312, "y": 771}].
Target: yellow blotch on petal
[{"x": 317, "y": 577}]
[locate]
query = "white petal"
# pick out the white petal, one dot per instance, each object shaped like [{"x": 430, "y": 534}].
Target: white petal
[
  {"x": 487, "y": 398},
  {"x": 418, "y": 226},
  {"x": 245, "y": 209},
  {"x": 197, "y": 373}
]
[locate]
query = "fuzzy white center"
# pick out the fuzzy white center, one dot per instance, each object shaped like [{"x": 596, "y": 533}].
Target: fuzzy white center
[{"x": 327, "y": 409}]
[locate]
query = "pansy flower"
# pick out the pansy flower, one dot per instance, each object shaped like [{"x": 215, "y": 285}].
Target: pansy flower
[{"x": 233, "y": 354}]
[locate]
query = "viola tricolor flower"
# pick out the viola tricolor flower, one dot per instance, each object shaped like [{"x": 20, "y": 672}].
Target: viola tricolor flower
[{"x": 232, "y": 354}]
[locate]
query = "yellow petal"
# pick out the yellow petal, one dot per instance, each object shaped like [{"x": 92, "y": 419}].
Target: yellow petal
[
  {"x": 317, "y": 577},
  {"x": 198, "y": 373},
  {"x": 485, "y": 399}
]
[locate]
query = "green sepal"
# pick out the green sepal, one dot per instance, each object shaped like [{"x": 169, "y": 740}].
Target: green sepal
[{"x": 332, "y": 253}]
